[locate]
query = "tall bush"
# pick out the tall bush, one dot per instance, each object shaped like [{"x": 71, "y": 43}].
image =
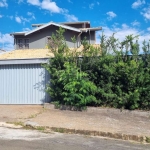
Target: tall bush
[
  {"x": 113, "y": 75},
  {"x": 68, "y": 84}
]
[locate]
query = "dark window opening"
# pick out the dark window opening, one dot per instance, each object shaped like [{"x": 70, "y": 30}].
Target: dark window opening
[
  {"x": 23, "y": 43},
  {"x": 20, "y": 43},
  {"x": 26, "y": 43}
]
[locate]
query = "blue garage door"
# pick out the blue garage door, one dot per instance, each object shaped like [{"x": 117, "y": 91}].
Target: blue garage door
[{"x": 23, "y": 84}]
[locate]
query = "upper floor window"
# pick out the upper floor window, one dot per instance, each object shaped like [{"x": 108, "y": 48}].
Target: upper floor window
[
  {"x": 26, "y": 43},
  {"x": 20, "y": 43},
  {"x": 23, "y": 43},
  {"x": 49, "y": 38},
  {"x": 48, "y": 41}
]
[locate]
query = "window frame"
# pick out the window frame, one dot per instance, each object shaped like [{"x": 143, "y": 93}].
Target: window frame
[
  {"x": 20, "y": 44},
  {"x": 23, "y": 44},
  {"x": 26, "y": 47}
]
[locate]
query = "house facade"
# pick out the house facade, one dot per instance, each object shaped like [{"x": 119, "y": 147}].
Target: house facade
[
  {"x": 41, "y": 33},
  {"x": 23, "y": 78}
]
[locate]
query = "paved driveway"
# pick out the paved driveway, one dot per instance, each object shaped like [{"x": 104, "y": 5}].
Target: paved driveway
[
  {"x": 15, "y": 112},
  {"x": 99, "y": 119}
]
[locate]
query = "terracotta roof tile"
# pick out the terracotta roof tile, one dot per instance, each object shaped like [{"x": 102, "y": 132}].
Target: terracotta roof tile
[
  {"x": 24, "y": 53},
  {"x": 35, "y": 53}
]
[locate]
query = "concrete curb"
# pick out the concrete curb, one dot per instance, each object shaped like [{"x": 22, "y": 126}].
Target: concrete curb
[
  {"x": 10, "y": 125},
  {"x": 121, "y": 136}
]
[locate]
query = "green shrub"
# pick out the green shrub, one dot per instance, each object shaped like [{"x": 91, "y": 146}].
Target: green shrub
[
  {"x": 78, "y": 91},
  {"x": 105, "y": 76}
]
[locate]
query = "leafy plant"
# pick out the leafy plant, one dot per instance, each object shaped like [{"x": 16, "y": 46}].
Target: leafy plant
[
  {"x": 78, "y": 91},
  {"x": 113, "y": 75}
]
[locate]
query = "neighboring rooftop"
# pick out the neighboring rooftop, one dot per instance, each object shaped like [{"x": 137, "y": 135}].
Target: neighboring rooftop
[
  {"x": 26, "y": 53},
  {"x": 1, "y": 50},
  {"x": 18, "y": 33},
  {"x": 35, "y": 53},
  {"x": 65, "y": 25},
  {"x": 91, "y": 29}
]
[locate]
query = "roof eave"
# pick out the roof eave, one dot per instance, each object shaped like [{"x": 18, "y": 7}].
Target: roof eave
[
  {"x": 17, "y": 33},
  {"x": 55, "y": 24},
  {"x": 95, "y": 29},
  {"x": 91, "y": 29},
  {"x": 80, "y": 22}
]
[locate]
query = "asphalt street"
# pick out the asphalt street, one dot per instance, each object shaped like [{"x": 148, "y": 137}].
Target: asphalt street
[{"x": 19, "y": 139}]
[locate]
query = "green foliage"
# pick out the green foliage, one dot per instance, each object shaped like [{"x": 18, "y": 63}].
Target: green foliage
[
  {"x": 122, "y": 80},
  {"x": 68, "y": 84},
  {"x": 147, "y": 139},
  {"x": 105, "y": 76},
  {"x": 58, "y": 47},
  {"x": 78, "y": 91}
]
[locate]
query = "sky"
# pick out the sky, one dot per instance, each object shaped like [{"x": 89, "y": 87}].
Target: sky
[{"x": 122, "y": 17}]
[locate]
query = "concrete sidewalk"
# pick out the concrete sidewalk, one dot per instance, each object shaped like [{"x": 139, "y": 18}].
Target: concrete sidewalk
[{"x": 107, "y": 122}]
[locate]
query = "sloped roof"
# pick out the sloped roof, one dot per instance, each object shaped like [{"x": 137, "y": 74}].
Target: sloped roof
[
  {"x": 66, "y": 23},
  {"x": 55, "y": 24},
  {"x": 35, "y": 53},
  {"x": 63, "y": 25},
  {"x": 44, "y": 26},
  {"x": 91, "y": 29},
  {"x": 26, "y": 53},
  {"x": 18, "y": 33},
  {"x": 78, "y": 22}
]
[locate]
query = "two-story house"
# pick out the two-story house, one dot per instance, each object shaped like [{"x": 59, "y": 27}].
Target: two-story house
[
  {"x": 38, "y": 37},
  {"x": 23, "y": 79}
]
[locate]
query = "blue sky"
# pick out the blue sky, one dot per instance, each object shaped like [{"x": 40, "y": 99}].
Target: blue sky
[{"x": 123, "y": 17}]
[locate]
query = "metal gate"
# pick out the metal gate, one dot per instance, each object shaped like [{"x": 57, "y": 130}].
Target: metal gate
[{"x": 23, "y": 84}]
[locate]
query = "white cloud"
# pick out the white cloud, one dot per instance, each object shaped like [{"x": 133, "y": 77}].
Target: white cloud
[
  {"x": 122, "y": 32},
  {"x": 47, "y": 5},
  {"x": 138, "y": 3},
  {"x": 51, "y": 6},
  {"x": 70, "y": 1},
  {"x": 146, "y": 13},
  {"x": 18, "y": 19},
  {"x": 111, "y": 15},
  {"x": 1, "y": 16},
  {"x": 21, "y": 19},
  {"x": 20, "y": 1},
  {"x": 26, "y": 29},
  {"x": 70, "y": 18},
  {"x": 3, "y": 3},
  {"x": 98, "y": 3},
  {"x": 148, "y": 29},
  {"x": 125, "y": 26},
  {"x": 91, "y": 6},
  {"x": 11, "y": 17},
  {"x": 34, "y": 2},
  {"x": 24, "y": 19},
  {"x": 8, "y": 47},
  {"x": 31, "y": 14},
  {"x": 6, "y": 42},
  {"x": 135, "y": 23}
]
